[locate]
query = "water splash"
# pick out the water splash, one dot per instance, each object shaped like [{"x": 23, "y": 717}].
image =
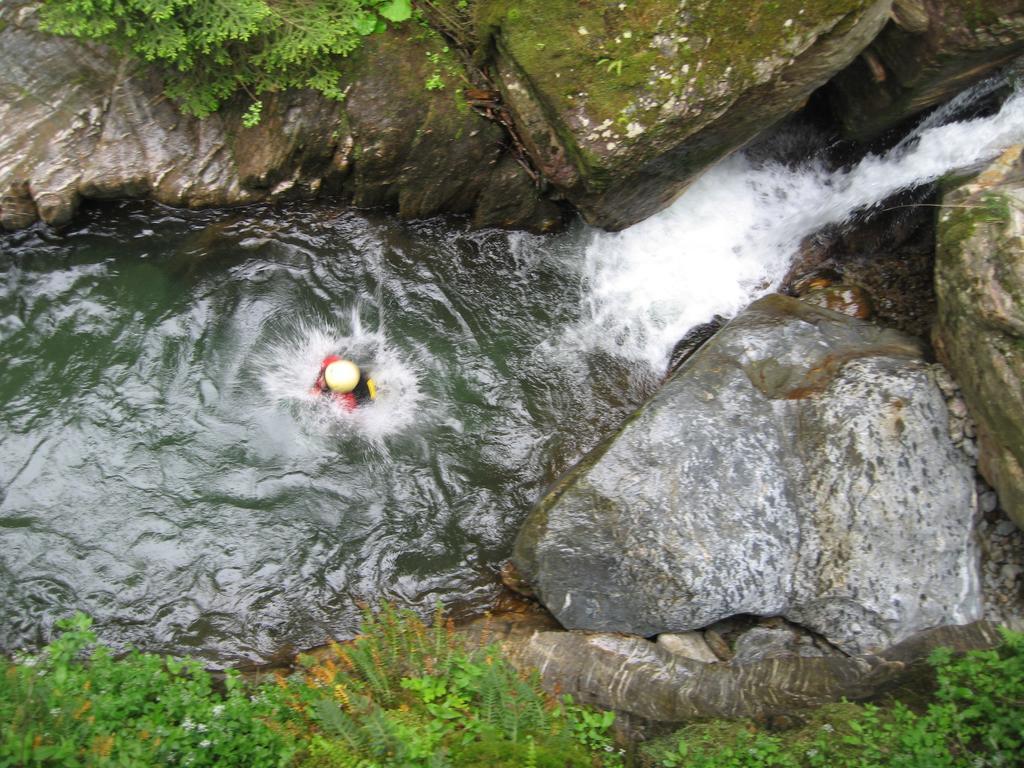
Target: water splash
[
  {"x": 290, "y": 360},
  {"x": 732, "y": 235}
]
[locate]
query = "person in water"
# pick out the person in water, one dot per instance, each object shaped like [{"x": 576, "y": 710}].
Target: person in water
[{"x": 342, "y": 381}]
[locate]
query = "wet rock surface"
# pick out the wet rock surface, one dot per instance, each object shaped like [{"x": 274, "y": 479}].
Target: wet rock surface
[
  {"x": 791, "y": 467},
  {"x": 930, "y": 51},
  {"x": 640, "y": 678},
  {"x": 622, "y": 105},
  {"x": 979, "y": 333},
  {"x": 80, "y": 122},
  {"x": 1000, "y": 540},
  {"x": 887, "y": 256}
]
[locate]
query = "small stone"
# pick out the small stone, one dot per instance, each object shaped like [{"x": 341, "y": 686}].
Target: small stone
[
  {"x": 988, "y": 501},
  {"x": 762, "y": 643},
  {"x": 688, "y": 645},
  {"x": 944, "y": 381},
  {"x": 1011, "y": 572},
  {"x": 718, "y": 645},
  {"x": 1005, "y": 528},
  {"x": 958, "y": 407}
]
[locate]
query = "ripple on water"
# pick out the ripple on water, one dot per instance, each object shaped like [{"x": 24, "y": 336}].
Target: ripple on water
[{"x": 165, "y": 467}]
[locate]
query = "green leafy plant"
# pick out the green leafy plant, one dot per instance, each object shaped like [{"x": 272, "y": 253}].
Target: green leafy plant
[
  {"x": 435, "y": 82},
  {"x": 207, "y": 50},
  {"x": 403, "y": 694},
  {"x": 75, "y": 705}
]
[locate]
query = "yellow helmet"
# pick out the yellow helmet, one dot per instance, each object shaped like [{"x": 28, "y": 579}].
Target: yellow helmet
[{"x": 341, "y": 376}]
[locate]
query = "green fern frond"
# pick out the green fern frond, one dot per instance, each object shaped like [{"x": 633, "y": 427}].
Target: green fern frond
[{"x": 209, "y": 49}]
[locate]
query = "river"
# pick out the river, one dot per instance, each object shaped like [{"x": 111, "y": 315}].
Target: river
[{"x": 164, "y": 468}]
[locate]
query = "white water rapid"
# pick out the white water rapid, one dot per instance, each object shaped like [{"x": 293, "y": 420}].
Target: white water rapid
[{"x": 732, "y": 235}]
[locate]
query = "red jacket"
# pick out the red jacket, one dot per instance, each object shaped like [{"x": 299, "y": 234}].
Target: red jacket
[{"x": 345, "y": 399}]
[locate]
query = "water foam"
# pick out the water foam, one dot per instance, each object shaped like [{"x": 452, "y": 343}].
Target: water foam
[
  {"x": 732, "y": 235},
  {"x": 291, "y": 360}
]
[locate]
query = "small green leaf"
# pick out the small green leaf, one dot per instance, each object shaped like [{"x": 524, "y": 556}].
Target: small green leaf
[
  {"x": 251, "y": 118},
  {"x": 396, "y": 10},
  {"x": 366, "y": 24}
]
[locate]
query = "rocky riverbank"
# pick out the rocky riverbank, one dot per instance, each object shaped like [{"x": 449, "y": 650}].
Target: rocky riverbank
[
  {"x": 611, "y": 110},
  {"x": 795, "y": 516},
  {"x": 800, "y": 503}
]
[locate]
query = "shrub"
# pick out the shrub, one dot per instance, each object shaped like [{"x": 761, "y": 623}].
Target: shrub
[
  {"x": 68, "y": 707},
  {"x": 401, "y": 695},
  {"x": 209, "y": 49}
]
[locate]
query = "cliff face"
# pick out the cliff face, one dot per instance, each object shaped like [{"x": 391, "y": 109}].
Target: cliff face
[
  {"x": 979, "y": 333},
  {"x": 613, "y": 108},
  {"x": 622, "y": 106},
  {"x": 79, "y": 122},
  {"x": 930, "y": 51}
]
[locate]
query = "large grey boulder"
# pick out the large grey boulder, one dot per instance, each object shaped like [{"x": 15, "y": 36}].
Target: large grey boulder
[
  {"x": 979, "y": 332},
  {"x": 932, "y": 50},
  {"x": 797, "y": 465},
  {"x": 622, "y": 105},
  {"x": 79, "y": 122}
]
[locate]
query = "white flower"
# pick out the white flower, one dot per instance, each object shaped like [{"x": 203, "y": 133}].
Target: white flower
[
  {"x": 201, "y": 728},
  {"x": 218, "y": 710},
  {"x": 583, "y": 31},
  {"x": 827, "y": 727},
  {"x": 55, "y": 711},
  {"x": 205, "y": 743},
  {"x": 187, "y": 724}
]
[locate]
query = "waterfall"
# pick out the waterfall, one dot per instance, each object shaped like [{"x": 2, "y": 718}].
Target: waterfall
[{"x": 732, "y": 235}]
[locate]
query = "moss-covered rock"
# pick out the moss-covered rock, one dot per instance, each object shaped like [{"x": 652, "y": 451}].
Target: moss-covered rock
[
  {"x": 81, "y": 123},
  {"x": 622, "y": 104},
  {"x": 418, "y": 150},
  {"x": 979, "y": 334},
  {"x": 932, "y": 50}
]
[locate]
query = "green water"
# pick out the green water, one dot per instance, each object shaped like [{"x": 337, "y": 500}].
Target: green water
[{"x": 164, "y": 469}]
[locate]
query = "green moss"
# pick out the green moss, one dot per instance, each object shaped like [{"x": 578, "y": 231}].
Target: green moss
[
  {"x": 959, "y": 222},
  {"x": 614, "y": 64},
  {"x": 829, "y": 722},
  {"x": 545, "y": 753},
  {"x": 982, "y": 13}
]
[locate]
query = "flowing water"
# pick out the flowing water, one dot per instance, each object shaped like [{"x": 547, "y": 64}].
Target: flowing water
[{"x": 164, "y": 468}]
